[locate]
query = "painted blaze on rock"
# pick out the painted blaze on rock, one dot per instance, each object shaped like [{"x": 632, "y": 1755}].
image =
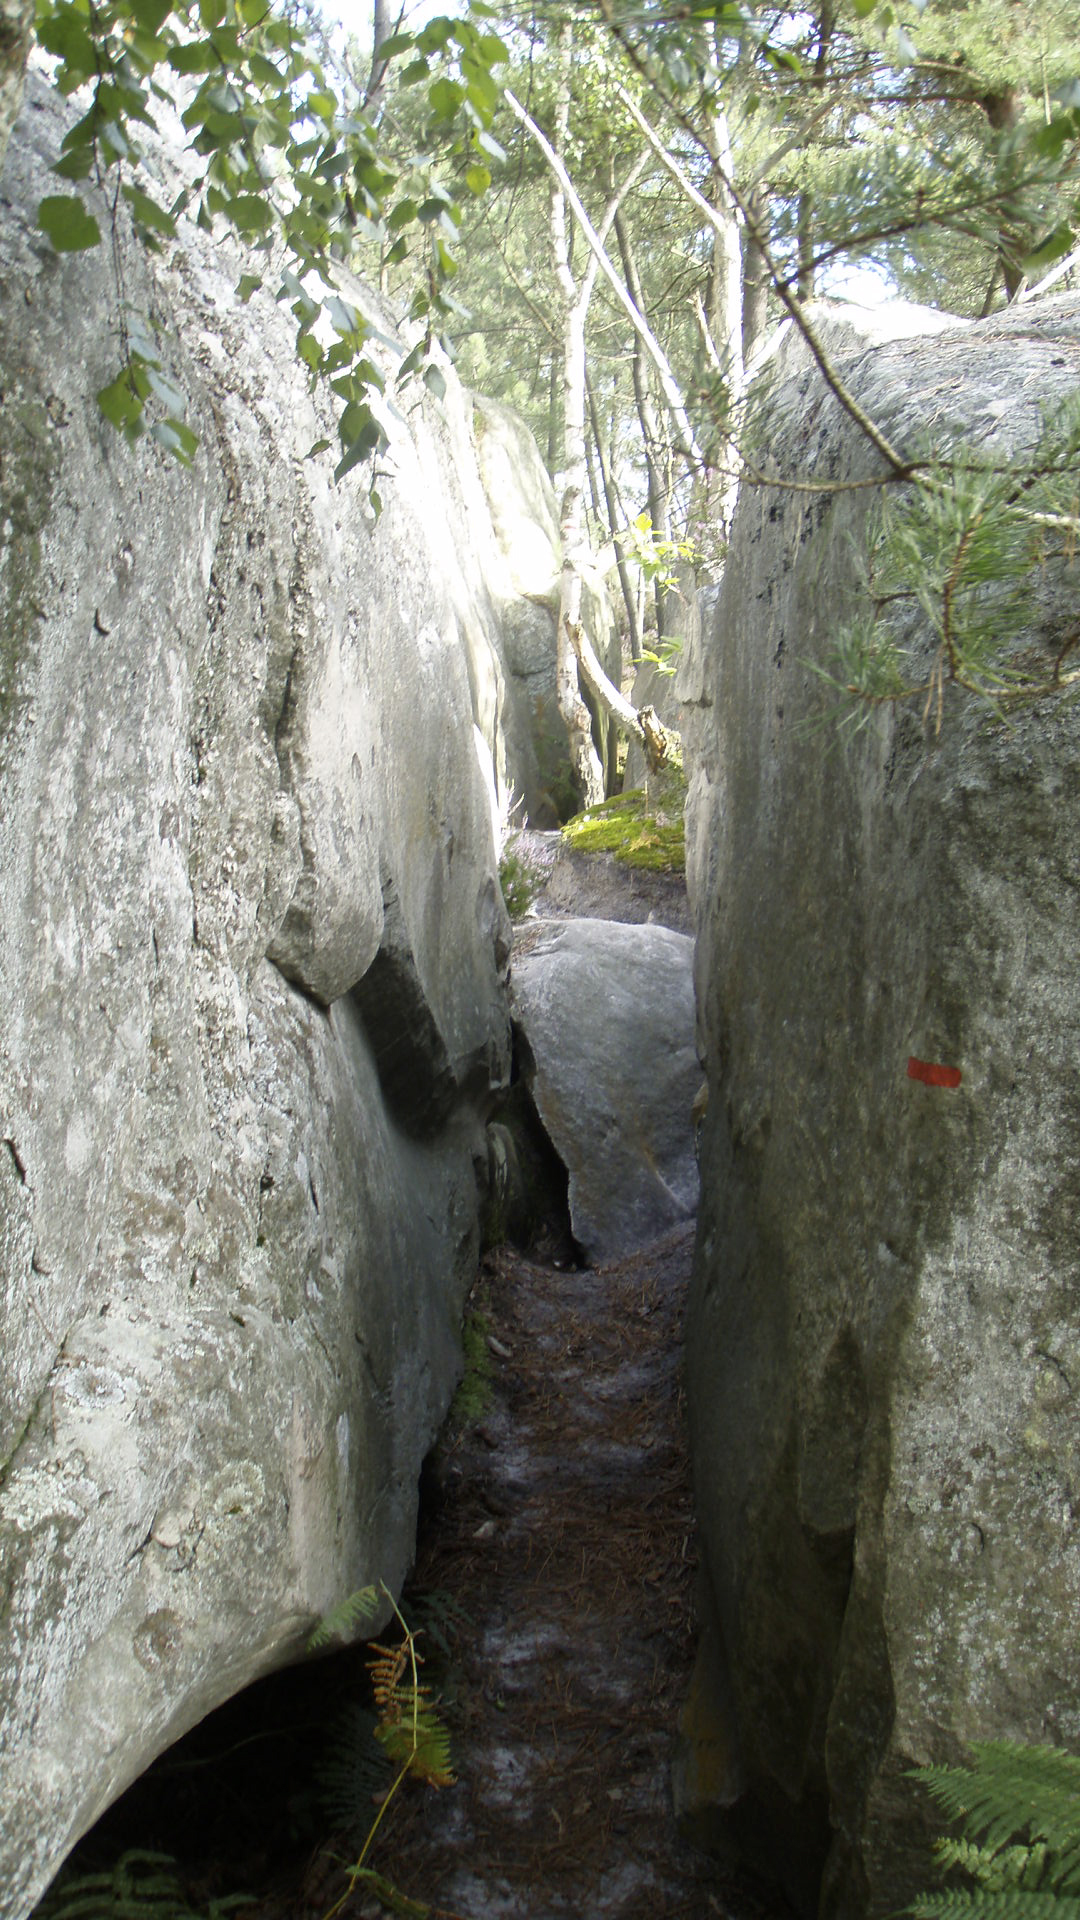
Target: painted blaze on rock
[{"x": 884, "y": 1346}]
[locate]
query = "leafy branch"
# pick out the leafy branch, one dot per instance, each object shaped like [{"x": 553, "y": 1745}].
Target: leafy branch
[{"x": 288, "y": 160}]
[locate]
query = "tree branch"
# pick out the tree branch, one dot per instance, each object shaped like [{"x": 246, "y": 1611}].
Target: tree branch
[
  {"x": 687, "y": 443},
  {"x": 901, "y": 469}
]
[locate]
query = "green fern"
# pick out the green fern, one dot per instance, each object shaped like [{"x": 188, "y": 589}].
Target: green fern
[
  {"x": 354, "y": 1772},
  {"x": 139, "y": 1886},
  {"x": 341, "y": 1624},
  {"x": 438, "y": 1617},
  {"x": 1020, "y": 1809}
]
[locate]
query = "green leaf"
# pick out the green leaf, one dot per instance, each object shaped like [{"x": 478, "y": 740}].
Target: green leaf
[
  {"x": 177, "y": 439},
  {"x": 150, "y": 15},
  {"x": 121, "y": 405},
  {"x": 397, "y": 43},
  {"x": 147, "y": 212},
  {"x": 416, "y": 70},
  {"x": 249, "y": 213},
  {"x": 343, "y": 317},
  {"x": 211, "y": 13},
  {"x": 435, "y": 382},
  {"x": 354, "y": 421},
  {"x": 362, "y": 447},
  {"x": 70, "y": 228},
  {"x": 317, "y": 446},
  {"x": 77, "y": 164},
  {"x": 401, "y": 215},
  {"x": 165, "y": 390},
  {"x": 444, "y": 98},
  {"x": 197, "y": 56},
  {"x": 477, "y": 178},
  {"x": 864, "y": 8},
  {"x": 489, "y": 145},
  {"x": 324, "y": 104},
  {"x": 1059, "y": 243},
  {"x": 248, "y": 284}
]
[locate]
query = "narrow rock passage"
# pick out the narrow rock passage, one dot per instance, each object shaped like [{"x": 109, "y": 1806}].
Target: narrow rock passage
[{"x": 564, "y": 1529}]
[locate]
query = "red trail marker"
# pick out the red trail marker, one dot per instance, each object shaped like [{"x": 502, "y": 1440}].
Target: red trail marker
[{"x": 933, "y": 1075}]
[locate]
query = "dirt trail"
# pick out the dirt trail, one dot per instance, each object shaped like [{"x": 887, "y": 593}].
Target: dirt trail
[{"x": 565, "y": 1531}]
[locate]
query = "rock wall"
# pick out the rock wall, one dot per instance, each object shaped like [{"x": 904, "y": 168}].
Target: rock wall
[
  {"x": 884, "y": 1346},
  {"x": 252, "y": 1003}
]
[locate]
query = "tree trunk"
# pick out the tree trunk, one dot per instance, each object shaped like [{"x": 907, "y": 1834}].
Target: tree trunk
[
  {"x": 755, "y": 302},
  {"x": 553, "y": 417},
  {"x": 16, "y": 34},
  {"x": 629, "y": 597},
  {"x": 1003, "y": 111},
  {"x": 576, "y": 718},
  {"x": 826, "y": 27},
  {"x": 652, "y": 437},
  {"x": 381, "y": 28}
]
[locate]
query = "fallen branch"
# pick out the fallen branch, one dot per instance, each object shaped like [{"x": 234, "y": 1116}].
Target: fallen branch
[{"x": 656, "y": 741}]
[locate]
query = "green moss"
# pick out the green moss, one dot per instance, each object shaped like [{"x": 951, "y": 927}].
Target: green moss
[
  {"x": 644, "y": 827},
  {"x": 473, "y": 1397}
]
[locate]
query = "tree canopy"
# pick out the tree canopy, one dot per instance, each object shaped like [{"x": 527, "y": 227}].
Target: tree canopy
[{"x": 599, "y": 209}]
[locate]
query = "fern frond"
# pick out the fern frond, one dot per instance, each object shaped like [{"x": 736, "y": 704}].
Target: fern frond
[
  {"x": 391, "y": 1897},
  {"x": 420, "y": 1741},
  {"x": 978, "y": 1903},
  {"x": 438, "y": 1615},
  {"x": 996, "y": 1868},
  {"x": 139, "y": 1886},
  {"x": 1010, "y": 1790},
  {"x": 409, "y": 1729},
  {"x": 341, "y": 1624},
  {"x": 353, "y": 1771}
]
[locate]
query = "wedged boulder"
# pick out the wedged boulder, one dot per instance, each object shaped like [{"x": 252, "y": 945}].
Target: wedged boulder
[
  {"x": 606, "y": 1015},
  {"x": 883, "y": 1341},
  {"x": 252, "y": 1005}
]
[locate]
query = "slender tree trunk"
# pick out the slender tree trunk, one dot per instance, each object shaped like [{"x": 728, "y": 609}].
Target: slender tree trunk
[
  {"x": 1003, "y": 111},
  {"x": 553, "y": 416},
  {"x": 613, "y": 516},
  {"x": 755, "y": 301},
  {"x": 382, "y": 27},
  {"x": 652, "y": 436},
  {"x": 725, "y": 325},
  {"x": 826, "y": 27},
  {"x": 584, "y": 759}
]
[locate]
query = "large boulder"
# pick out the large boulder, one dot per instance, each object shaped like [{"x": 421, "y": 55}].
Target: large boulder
[
  {"x": 883, "y": 1342},
  {"x": 252, "y": 1004},
  {"x": 605, "y": 1012}
]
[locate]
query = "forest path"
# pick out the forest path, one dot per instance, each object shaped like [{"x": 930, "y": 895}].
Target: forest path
[{"x": 564, "y": 1531}]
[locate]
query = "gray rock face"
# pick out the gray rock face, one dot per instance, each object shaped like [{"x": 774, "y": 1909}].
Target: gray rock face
[
  {"x": 16, "y": 32},
  {"x": 252, "y": 1007},
  {"x": 883, "y": 1344},
  {"x": 607, "y": 1014}
]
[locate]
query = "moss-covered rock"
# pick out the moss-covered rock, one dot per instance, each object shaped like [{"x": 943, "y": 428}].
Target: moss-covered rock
[{"x": 643, "y": 828}]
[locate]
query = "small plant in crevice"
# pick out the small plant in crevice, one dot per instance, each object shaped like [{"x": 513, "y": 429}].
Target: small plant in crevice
[
  {"x": 473, "y": 1396},
  {"x": 413, "y": 1738},
  {"x": 519, "y": 882},
  {"x": 1019, "y": 1851},
  {"x": 140, "y": 1885}
]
